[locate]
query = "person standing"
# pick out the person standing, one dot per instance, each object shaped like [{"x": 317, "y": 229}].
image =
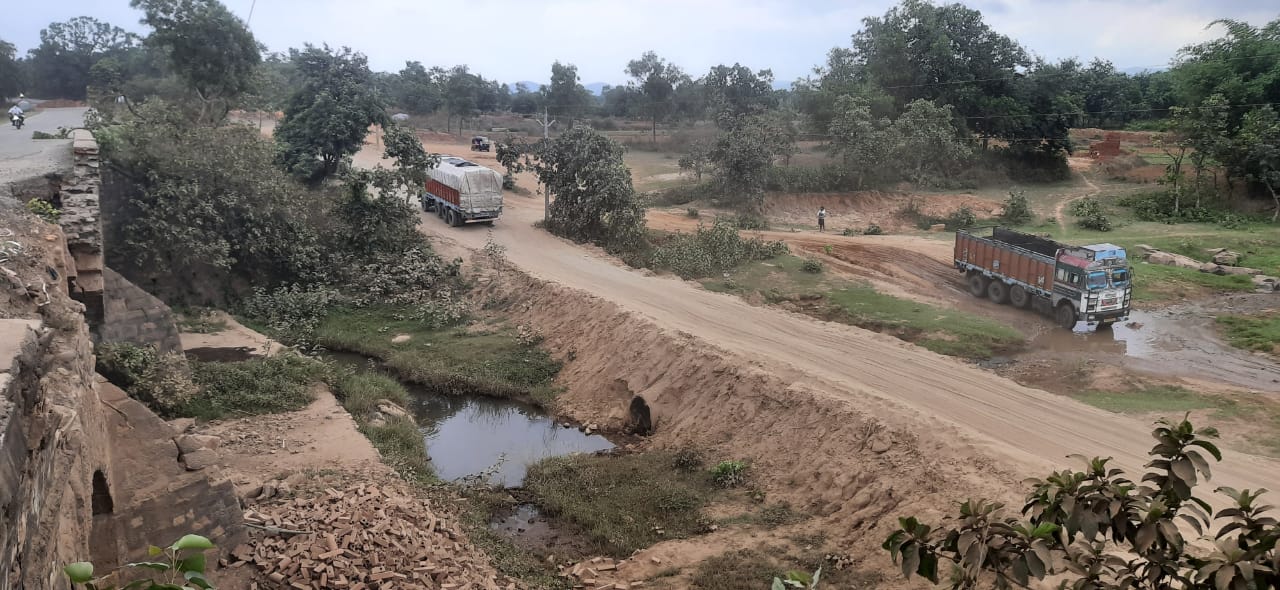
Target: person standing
[{"x": 822, "y": 219}]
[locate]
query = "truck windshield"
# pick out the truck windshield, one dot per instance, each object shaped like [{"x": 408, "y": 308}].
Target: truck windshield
[
  {"x": 1096, "y": 280},
  {"x": 1120, "y": 277}
]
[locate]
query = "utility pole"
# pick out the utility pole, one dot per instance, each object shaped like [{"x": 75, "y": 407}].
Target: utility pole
[{"x": 546, "y": 123}]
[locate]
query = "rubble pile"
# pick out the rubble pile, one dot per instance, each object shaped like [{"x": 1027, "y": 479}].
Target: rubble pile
[{"x": 365, "y": 536}]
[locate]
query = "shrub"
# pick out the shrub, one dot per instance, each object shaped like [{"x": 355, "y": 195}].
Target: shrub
[
  {"x": 691, "y": 212},
  {"x": 802, "y": 179},
  {"x": 729, "y": 474},
  {"x": 291, "y": 313},
  {"x": 961, "y": 218},
  {"x": 688, "y": 460},
  {"x": 873, "y": 230},
  {"x": 280, "y": 383},
  {"x": 1159, "y": 206},
  {"x": 44, "y": 210},
  {"x": 712, "y": 250},
  {"x": 1090, "y": 214},
  {"x": 1017, "y": 210},
  {"x": 750, "y": 222},
  {"x": 162, "y": 382},
  {"x": 183, "y": 561},
  {"x": 811, "y": 265}
]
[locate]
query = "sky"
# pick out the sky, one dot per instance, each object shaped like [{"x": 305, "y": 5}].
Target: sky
[{"x": 515, "y": 40}]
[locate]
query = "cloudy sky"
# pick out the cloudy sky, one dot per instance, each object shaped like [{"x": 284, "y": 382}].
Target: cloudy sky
[{"x": 513, "y": 40}]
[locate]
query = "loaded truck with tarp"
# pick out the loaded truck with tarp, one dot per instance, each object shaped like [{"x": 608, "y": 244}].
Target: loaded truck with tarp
[
  {"x": 461, "y": 191},
  {"x": 1091, "y": 284}
]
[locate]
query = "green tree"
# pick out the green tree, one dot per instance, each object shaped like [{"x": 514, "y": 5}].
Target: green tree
[
  {"x": 698, "y": 159},
  {"x": 566, "y": 98},
  {"x": 1098, "y": 529},
  {"x": 417, "y": 90},
  {"x": 742, "y": 155},
  {"x": 208, "y": 207},
  {"x": 11, "y": 74},
  {"x": 327, "y": 119},
  {"x": 462, "y": 91},
  {"x": 735, "y": 91},
  {"x": 1241, "y": 65},
  {"x": 656, "y": 80},
  {"x": 865, "y": 143},
  {"x": 410, "y": 164},
  {"x": 1259, "y": 151},
  {"x": 929, "y": 147},
  {"x": 526, "y": 101},
  {"x": 210, "y": 49},
  {"x": 59, "y": 66},
  {"x": 594, "y": 199}
]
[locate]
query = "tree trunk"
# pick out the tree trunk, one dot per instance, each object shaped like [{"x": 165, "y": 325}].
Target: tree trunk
[
  {"x": 655, "y": 130},
  {"x": 1274, "y": 197}
]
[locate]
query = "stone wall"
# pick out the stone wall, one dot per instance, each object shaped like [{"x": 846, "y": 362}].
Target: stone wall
[
  {"x": 82, "y": 223},
  {"x": 133, "y": 315}
]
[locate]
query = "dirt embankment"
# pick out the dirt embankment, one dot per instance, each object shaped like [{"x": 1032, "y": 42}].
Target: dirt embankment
[{"x": 828, "y": 456}]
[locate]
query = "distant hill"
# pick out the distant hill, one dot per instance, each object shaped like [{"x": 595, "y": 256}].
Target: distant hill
[{"x": 596, "y": 88}]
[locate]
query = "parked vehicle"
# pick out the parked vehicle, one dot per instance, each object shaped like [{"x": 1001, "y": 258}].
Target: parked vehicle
[
  {"x": 480, "y": 143},
  {"x": 461, "y": 191},
  {"x": 1091, "y": 284}
]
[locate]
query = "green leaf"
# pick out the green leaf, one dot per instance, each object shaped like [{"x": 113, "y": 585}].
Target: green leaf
[
  {"x": 910, "y": 560},
  {"x": 79, "y": 572},
  {"x": 197, "y": 579},
  {"x": 777, "y": 585},
  {"x": 193, "y": 563},
  {"x": 192, "y": 542},
  {"x": 153, "y": 551},
  {"x": 1208, "y": 446},
  {"x": 137, "y": 584}
]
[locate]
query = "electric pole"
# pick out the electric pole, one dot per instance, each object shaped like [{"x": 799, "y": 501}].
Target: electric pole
[{"x": 546, "y": 123}]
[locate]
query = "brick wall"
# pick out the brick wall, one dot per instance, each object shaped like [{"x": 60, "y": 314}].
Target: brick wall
[
  {"x": 133, "y": 315},
  {"x": 81, "y": 221}
]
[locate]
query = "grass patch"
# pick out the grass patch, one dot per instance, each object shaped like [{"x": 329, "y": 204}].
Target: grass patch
[
  {"x": 1157, "y": 399},
  {"x": 199, "y": 320},
  {"x": 361, "y": 392},
  {"x": 1252, "y": 332},
  {"x": 784, "y": 280},
  {"x": 281, "y": 383},
  {"x": 402, "y": 447},
  {"x": 451, "y": 360},
  {"x": 752, "y": 569},
  {"x": 622, "y": 503},
  {"x": 1155, "y": 283}
]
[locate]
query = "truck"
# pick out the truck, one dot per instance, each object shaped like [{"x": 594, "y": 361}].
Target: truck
[
  {"x": 1091, "y": 284},
  {"x": 461, "y": 191}
]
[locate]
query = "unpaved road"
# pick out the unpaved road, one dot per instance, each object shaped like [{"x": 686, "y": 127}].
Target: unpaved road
[{"x": 1023, "y": 425}]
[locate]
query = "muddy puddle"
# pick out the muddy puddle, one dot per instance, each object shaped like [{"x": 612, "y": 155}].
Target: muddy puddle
[
  {"x": 496, "y": 439},
  {"x": 1177, "y": 341}
]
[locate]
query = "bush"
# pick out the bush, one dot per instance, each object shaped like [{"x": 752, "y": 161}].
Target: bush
[
  {"x": 160, "y": 381},
  {"x": 729, "y": 474},
  {"x": 811, "y": 265},
  {"x": 291, "y": 313},
  {"x": 803, "y": 179},
  {"x": 712, "y": 250},
  {"x": 360, "y": 392},
  {"x": 1159, "y": 206},
  {"x": 1017, "y": 211},
  {"x": 280, "y": 383},
  {"x": 1090, "y": 214},
  {"x": 750, "y": 222},
  {"x": 687, "y": 460},
  {"x": 961, "y": 218},
  {"x": 44, "y": 210},
  {"x": 873, "y": 230},
  {"x": 691, "y": 212}
]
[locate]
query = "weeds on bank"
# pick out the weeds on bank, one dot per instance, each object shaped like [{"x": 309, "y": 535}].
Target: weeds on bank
[
  {"x": 623, "y": 503},
  {"x": 1252, "y": 332}
]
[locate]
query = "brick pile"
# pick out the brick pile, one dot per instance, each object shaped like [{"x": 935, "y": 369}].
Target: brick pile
[
  {"x": 363, "y": 537},
  {"x": 600, "y": 573}
]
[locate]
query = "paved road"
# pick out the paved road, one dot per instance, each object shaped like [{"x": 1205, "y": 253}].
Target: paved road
[{"x": 22, "y": 157}]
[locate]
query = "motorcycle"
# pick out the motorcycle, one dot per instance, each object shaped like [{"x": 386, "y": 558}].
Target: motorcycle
[{"x": 17, "y": 121}]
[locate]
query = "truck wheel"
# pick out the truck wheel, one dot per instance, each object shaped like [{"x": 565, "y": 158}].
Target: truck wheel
[
  {"x": 1066, "y": 316},
  {"x": 978, "y": 285},
  {"x": 455, "y": 218},
  {"x": 449, "y": 216},
  {"x": 998, "y": 292},
  {"x": 1019, "y": 297}
]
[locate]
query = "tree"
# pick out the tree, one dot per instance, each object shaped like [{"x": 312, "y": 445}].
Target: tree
[
  {"x": 211, "y": 50},
  {"x": 742, "y": 156},
  {"x": 656, "y": 80},
  {"x": 59, "y": 66},
  {"x": 462, "y": 94},
  {"x": 594, "y": 199},
  {"x": 411, "y": 163},
  {"x": 735, "y": 91},
  {"x": 1240, "y": 65},
  {"x": 698, "y": 159},
  {"x": 1259, "y": 147},
  {"x": 526, "y": 101},
  {"x": 416, "y": 90},
  {"x": 865, "y": 143},
  {"x": 1097, "y": 529},
  {"x": 327, "y": 119},
  {"x": 566, "y": 98},
  {"x": 11, "y": 75},
  {"x": 927, "y": 142}
]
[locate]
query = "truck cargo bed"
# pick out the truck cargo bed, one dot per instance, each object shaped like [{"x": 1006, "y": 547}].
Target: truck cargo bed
[{"x": 1010, "y": 256}]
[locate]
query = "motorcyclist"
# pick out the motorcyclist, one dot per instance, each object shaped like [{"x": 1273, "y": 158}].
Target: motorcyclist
[{"x": 16, "y": 112}]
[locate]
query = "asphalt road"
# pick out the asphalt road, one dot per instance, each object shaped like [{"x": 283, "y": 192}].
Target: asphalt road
[{"x": 22, "y": 157}]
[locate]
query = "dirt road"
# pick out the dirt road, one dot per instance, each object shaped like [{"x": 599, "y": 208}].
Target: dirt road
[{"x": 1021, "y": 425}]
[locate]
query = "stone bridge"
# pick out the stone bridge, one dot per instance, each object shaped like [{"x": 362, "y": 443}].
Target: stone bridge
[{"x": 86, "y": 473}]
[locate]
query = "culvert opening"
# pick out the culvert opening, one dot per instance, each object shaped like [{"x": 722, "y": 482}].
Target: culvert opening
[
  {"x": 641, "y": 419},
  {"x": 102, "y": 503}
]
